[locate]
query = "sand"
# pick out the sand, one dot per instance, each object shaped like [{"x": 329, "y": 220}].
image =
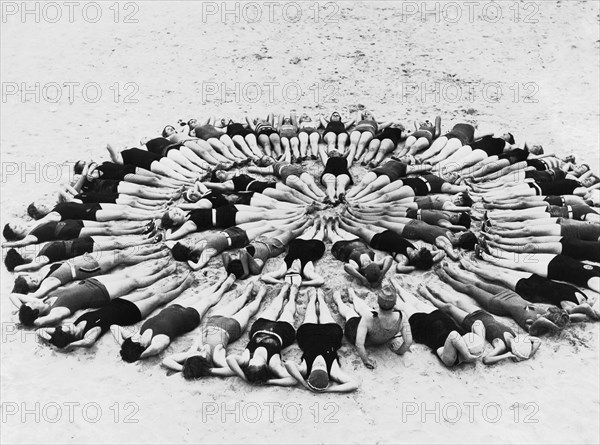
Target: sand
[{"x": 177, "y": 62}]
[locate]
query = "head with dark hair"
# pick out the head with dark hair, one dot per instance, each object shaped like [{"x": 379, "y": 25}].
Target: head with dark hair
[
  {"x": 462, "y": 199},
  {"x": 27, "y": 315},
  {"x": 174, "y": 217},
  {"x": 168, "y": 131},
  {"x": 467, "y": 240},
  {"x": 318, "y": 379},
  {"x": 21, "y": 285},
  {"x": 131, "y": 351},
  {"x": 464, "y": 219},
  {"x": 13, "y": 231},
  {"x": 192, "y": 123},
  {"x": 558, "y": 316},
  {"x": 38, "y": 209},
  {"x": 335, "y": 116},
  {"x": 14, "y": 259},
  {"x": 256, "y": 374},
  {"x": 61, "y": 339},
  {"x": 590, "y": 181},
  {"x": 372, "y": 273},
  {"x": 235, "y": 267},
  {"x": 421, "y": 259},
  {"x": 195, "y": 367},
  {"x": 78, "y": 167},
  {"x": 510, "y": 138},
  {"x": 181, "y": 252}
]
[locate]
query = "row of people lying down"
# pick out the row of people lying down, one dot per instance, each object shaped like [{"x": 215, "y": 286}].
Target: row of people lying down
[{"x": 452, "y": 328}]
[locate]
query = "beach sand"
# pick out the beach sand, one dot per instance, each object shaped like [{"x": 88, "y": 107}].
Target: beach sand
[{"x": 178, "y": 62}]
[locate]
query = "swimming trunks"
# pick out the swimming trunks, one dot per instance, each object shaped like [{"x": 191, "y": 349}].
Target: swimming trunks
[
  {"x": 539, "y": 176},
  {"x": 284, "y": 170},
  {"x": 246, "y": 183},
  {"x": 423, "y": 231},
  {"x": 85, "y": 294},
  {"x": 101, "y": 186},
  {"x": 63, "y": 250},
  {"x": 272, "y": 335},
  {"x": 319, "y": 340},
  {"x": 173, "y": 321},
  {"x": 305, "y": 251},
  {"x": 215, "y": 198},
  {"x": 509, "y": 303},
  {"x": 78, "y": 268},
  {"x": 202, "y": 218},
  {"x": 225, "y": 216},
  {"x": 393, "y": 169},
  {"x": 537, "y": 289},
  {"x": 288, "y": 131},
  {"x": 558, "y": 187},
  {"x": 263, "y": 248},
  {"x": 140, "y": 158},
  {"x": 426, "y": 130},
  {"x": 264, "y": 128}
]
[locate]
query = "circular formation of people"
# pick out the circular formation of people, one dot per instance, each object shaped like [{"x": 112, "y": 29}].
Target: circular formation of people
[{"x": 513, "y": 232}]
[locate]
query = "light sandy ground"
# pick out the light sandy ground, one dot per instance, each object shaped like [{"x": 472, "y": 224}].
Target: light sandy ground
[{"x": 176, "y": 62}]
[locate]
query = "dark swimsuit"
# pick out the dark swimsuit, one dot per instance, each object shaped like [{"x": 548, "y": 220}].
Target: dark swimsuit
[
  {"x": 392, "y": 169},
  {"x": 78, "y": 268},
  {"x": 173, "y": 321},
  {"x": 207, "y": 132},
  {"x": 351, "y": 327},
  {"x": 73, "y": 210},
  {"x": 433, "y": 329},
  {"x": 462, "y": 132},
  {"x": 118, "y": 312},
  {"x": 514, "y": 156},
  {"x": 421, "y": 230},
  {"x": 305, "y": 251},
  {"x": 564, "y": 268},
  {"x": 337, "y": 166},
  {"x": 265, "y": 129},
  {"x": 551, "y": 175},
  {"x": 246, "y": 183},
  {"x": 425, "y": 131},
  {"x": 586, "y": 231},
  {"x": 493, "y": 328},
  {"x": 559, "y": 187},
  {"x": 425, "y": 184},
  {"x": 101, "y": 186},
  {"x": 537, "y": 289},
  {"x": 491, "y": 145},
  {"x": 282, "y": 332},
  {"x": 319, "y": 340},
  {"x": 336, "y": 127},
  {"x": 234, "y": 129},
  {"x": 139, "y": 158},
  {"x": 63, "y": 230},
  {"x": 95, "y": 197},
  {"x": 63, "y": 250},
  {"x": 391, "y": 242},
  {"x": 110, "y": 170},
  {"x": 85, "y": 294},
  {"x": 392, "y": 133}
]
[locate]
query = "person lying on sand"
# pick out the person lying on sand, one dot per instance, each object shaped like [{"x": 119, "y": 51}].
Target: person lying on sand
[
  {"x": 298, "y": 268},
  {"x": 425, "y": 133},
  {"x": 319, "y": 337},
  {"x": 226, "y": 324},
  {"x": 267, "y": 136},
  {"x": 360, "y": 259},
  {"x": 336, "y": 131},
  {"x": 273, "y": 331},
  {"x": 366, "y": 327},
  {"x": 384, "y": 143},
  {"x": 124, "y": 311},
  {"x": 157, "y": 332},
  {"x": 362, "y": 134},
  {"x": 90, "y": 293},
  {"x": 437, "y": 330}
]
